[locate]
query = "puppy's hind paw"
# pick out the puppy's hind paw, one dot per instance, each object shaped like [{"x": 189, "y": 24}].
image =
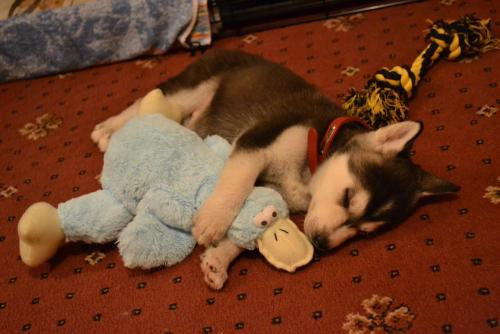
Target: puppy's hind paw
[
  {"x": 101, "y": 135},
  {"x": 214, "y": 271}
]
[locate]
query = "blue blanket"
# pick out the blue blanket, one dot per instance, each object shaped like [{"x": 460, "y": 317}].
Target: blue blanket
[{"x": 75, "y": 37}]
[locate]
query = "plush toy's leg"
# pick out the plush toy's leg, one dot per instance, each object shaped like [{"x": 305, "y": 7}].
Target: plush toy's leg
[
  {"x": 148, "y": 243},
  {"x": 40, "y": 234},
  {"x": 95, "y": 218}
]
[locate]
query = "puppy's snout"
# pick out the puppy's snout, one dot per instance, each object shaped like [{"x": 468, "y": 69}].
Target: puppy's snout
[{"x": 320, "y": 242}]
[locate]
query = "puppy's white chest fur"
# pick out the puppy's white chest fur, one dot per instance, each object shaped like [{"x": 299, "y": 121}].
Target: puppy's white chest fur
[{"x": 287, "y": 169}]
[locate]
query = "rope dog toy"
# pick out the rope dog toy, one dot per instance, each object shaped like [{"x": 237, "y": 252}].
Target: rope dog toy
[{"x": 385, "y": 97}]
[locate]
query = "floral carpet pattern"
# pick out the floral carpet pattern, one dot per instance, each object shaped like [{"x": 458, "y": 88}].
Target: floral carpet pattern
[
  {"x": 380, "y": 317},
  {"x": 438, "y": 272}
]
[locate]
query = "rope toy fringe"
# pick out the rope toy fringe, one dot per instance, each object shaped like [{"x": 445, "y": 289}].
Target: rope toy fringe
[{"x": 385, "y": 97}]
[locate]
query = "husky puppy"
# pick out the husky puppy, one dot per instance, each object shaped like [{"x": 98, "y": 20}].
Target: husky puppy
[{"x": 366, "y": 181}]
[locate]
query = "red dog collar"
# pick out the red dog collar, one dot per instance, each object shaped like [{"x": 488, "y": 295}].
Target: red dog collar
[{"x": 326, "y": 142}]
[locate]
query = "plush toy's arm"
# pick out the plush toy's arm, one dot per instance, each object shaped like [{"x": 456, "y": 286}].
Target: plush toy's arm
[
  {"x": 171, "y": 209},
  {"x": 219, "y": 145}
]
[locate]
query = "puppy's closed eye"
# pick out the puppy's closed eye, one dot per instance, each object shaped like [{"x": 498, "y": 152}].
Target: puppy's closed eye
[{"x": 346, "y": 198}]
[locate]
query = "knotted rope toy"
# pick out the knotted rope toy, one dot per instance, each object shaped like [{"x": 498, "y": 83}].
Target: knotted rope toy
[{"x": 385, "y": 97}]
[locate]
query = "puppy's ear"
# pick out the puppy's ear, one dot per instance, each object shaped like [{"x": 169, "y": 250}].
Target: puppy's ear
[
  {"x": 393, "y": 139},
  {"x": 430, "y": 185}
]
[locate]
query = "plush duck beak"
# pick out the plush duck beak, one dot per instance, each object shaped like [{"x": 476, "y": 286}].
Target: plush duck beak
[{"x": 285, "y": 246}]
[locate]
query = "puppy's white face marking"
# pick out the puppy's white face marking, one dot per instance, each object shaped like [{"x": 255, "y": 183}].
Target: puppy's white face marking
[
  {"x": 337, "y": 199},
  {"x": 340, "y": 235},
  {"x": 370, "y": 227}
]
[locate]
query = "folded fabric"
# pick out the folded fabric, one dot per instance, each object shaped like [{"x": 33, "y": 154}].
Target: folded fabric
[{"x": 75, "y": 37}]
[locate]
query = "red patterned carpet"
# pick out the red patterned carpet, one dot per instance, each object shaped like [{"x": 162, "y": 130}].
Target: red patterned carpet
[{"x": 439, "y": 272}]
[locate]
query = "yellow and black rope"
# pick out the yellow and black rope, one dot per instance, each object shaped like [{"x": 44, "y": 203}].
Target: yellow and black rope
[{"x": 384, "y": 99}]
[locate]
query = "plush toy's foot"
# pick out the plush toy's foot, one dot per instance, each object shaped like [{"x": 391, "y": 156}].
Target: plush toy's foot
[
  {"x": 40, "y": 234},
  {"x": 214, "y": 269}
]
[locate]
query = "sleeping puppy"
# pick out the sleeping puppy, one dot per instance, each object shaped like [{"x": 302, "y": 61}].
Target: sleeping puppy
[{"x": 365, "y": 179}]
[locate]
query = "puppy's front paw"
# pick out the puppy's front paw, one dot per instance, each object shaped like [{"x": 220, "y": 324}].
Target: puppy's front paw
[
  {"x": 101, "y": 135},
  {"x": 210, "y": 225},
  {"x": 214, "y": 271}
]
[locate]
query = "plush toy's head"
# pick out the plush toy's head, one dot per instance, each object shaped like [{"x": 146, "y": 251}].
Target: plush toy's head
[
  {"x": 263, "y": 207},
  {"x": 285, "y": 246},
  {"x": 263, "y": 222}
]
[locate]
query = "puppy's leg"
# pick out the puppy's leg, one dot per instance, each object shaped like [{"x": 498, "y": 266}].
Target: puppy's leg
[
  {"x": 215, "y": 262},
  {"x": 235, "y": 184},
  {"x": 186, "y": 80},
  {"x": 191, "y": 102},
  {"x": 204, "y": 70},
  {"x": 103, "y": 131}
]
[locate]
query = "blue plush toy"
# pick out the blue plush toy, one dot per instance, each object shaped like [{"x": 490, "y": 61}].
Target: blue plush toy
[{"x": 156, "y": 175}]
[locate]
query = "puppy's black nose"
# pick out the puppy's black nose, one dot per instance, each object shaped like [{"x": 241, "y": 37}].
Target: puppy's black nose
[{"x": 320, "y": 242}]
